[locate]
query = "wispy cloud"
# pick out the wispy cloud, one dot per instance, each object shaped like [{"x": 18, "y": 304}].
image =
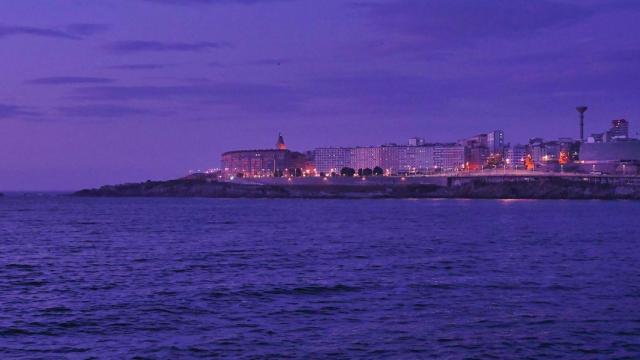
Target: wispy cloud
[
  {"x": 8, "y": 111},
  {"x": 270, "y": 62},
  {"x": 69, "y": 32},
  {"x": 446, "y": 24},
  {"x": 215, "y": 2},
  {"x": 87, "y": 29},
  {"x": 103, "y": 111},
  {"x": 249, "y": 97},
  {"x": 70, "y": 80},
  {"x": 134, "y": 67},
  {"x": 138, "y": 46}
]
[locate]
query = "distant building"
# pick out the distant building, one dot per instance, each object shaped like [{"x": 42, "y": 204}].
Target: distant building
[
  {"x": 264, "y": 162},
  {"x": 409, "y": 159},
  {"x": 393, "y": 159},
  {"x": 366, "y": 157},
  {"x": 495, "y": 142},
  {"x": 280, "y": 145},
  {"x": 332, "y": 159},
  {"x": 416, "y": 141},
  {"x": 619, "y": 129},
  {"x": 611, "y": 157},
  {"x": 516, "y": 155},
  {"x": 596, "y": 138},
  {"x": 554, "y": 152},
  {"x": 477, "y": 151},
  {"x": 448, "y": 157}
]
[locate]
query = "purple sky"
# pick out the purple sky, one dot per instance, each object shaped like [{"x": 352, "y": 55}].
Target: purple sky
[{"x": 99, "y": 92}]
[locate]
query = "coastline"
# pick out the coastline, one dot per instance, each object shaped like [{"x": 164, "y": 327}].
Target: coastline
[{"x": 476, "y": 187}]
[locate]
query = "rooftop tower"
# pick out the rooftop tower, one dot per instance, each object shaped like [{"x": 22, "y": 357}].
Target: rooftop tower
[
  {"x": 581, "y": 110},
  {"x": 280, "y": 145}
]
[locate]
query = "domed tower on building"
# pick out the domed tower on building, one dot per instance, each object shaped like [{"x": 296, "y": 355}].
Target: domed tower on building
[{"x": 280, "y": 145}]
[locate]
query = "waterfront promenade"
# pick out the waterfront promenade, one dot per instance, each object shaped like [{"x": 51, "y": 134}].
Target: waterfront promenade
[{"x": 442, "y": 179}]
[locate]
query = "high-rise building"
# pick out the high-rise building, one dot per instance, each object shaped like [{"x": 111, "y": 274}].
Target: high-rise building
[
  {"x": 495, "y": 142},
  {"x": 619, "y": 129}
]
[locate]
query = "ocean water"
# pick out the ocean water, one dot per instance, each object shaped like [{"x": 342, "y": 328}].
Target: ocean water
[{"x": 340, "y": 279}]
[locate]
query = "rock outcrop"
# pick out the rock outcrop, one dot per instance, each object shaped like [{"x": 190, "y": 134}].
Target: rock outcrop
[{"x": 476, "y": 188}]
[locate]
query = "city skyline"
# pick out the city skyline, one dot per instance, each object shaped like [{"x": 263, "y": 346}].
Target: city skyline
[{"x": 92, "y": 95}]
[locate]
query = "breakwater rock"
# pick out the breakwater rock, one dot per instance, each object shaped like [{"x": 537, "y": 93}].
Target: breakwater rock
[{"x": 549, "y": 187}]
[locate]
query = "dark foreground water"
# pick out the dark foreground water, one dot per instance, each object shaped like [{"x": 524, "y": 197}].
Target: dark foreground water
[{"x": 182, "y": 278}]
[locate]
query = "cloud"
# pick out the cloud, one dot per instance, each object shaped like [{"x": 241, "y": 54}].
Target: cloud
[
  {"x": 257, "y": 62},
  {"x": 103, "y": 111},
  {"x": 134, "y": 67},
  {"x": 70, "y": 32},
  {"x": 454, "y": 23},
  {"x": 6, "y": 31},
  {"x": 215, "y": 2},
  {"x": 248, "y": 97},
  {"x": 87, "y": 29},
  {"x": 69, "y": 80},
  {"x": 8, "y": 111},
  {"x": 137, "y": 46},
  {"x": 270, "y": 62}
]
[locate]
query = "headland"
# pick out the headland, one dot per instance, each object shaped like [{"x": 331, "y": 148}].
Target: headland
[{"x": 493, "y": 186}]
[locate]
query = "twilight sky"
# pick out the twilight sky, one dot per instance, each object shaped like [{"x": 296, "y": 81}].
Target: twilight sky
[{"x": 111, "y": 91}]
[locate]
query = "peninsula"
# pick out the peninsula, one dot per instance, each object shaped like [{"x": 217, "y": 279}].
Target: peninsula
[{"x": 534, "y": 186}]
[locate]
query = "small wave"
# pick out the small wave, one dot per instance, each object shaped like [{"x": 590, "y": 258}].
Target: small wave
[
  {"x": 30, "y": 283},
  {"x": 11, "y": 331},
  {"x": 73, "y": 324},
  {"x": 222, "y": 222},
  {"x": 439, "y": 286},
  {"x": 20, "y": 266},
  {"x": 314, "y": 290},
  {"x": 543, "y": 322},
  {"x": 56, "y": 309}
]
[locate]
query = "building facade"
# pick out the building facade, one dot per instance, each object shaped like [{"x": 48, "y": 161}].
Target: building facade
[
  {"x": 393, "y": 159},
  {"x": 264, "y": 162},
  {"x": 619, "y": 129},
  {"x": 495, "y": 142},
  {"x": 269, "y": 162},
  {"x": 516, "y": 155},
  {"x": 331, "y": 160},
  {"x": 448, "y": 157},
  {"x": 612, "y": 157}
]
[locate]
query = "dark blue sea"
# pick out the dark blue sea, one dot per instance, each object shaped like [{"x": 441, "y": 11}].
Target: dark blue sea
[{"x": 318, "y": 279}]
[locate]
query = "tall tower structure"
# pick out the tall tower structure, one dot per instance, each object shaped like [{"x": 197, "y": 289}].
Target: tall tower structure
[
  {"x": 581, "y": 110},
  {"x": 280, "y": 145}
]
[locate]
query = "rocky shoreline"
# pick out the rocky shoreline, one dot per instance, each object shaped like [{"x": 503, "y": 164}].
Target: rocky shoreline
[{"x": 477, "y": 188}]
